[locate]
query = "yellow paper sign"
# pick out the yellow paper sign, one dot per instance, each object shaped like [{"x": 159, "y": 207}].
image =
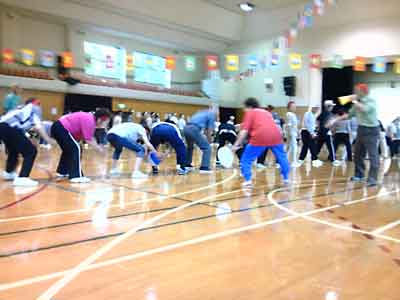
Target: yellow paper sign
[
  {"x": 232, "y": 62},
  {"x": 295, "y": 61}
]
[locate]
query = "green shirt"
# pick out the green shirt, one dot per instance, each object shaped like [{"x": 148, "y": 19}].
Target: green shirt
[
  {"x": 368, "y": 116},
  {"x": 11, "y": 102}
]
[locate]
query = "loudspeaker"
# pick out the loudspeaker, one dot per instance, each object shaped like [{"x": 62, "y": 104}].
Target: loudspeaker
[{"x": 289, "y": 85}]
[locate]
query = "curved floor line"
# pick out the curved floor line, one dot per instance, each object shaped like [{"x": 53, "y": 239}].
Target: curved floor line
[
  {"x": 83, "y": 210},
  {"x": 56, "y": 287},
  {"x": 31, "y": 195},
  {"x": 306, "y": 216}
]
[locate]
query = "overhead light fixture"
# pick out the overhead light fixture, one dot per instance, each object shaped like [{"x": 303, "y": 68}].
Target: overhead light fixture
[{"x": 247, "y": 6}]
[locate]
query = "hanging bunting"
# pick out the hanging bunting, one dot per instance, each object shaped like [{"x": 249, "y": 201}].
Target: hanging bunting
[
  {"x": 170, "y": 63},
  {"x": 47, "y": 58},
  {"x": 360, "y": 64},
  {"x": 68, "y": 60},
  {"x": 301, "y": 21},
  {"x": 396, "y": 66},
  {"x": 232, "y": 63},
  {"x": 337, "y": 62},
  {"x": 315, "y": 61},
  {"x": 275, "y": 57},
  {"x": 293, "y": 32},
  {"x": 253, "y": 61},
  {"x": 190, "y": 63},
  {"x": 283, "y": 44},
  {"x": 130, "y": 63},
  {"x": 8, "y": 56},
  {"x": 211, "y": 62},
  {"x": 27, "y": 57},
  {"x": 379, "y": 65},
  {"x": 295, "y": 61},
  {"x": 289, "y": 39},
  {"x": 319, "y": 7},
  {"x": 308, "y": 15}
]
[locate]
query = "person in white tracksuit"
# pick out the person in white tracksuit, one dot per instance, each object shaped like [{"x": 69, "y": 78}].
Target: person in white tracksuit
[{"x": 292, "y": 133}]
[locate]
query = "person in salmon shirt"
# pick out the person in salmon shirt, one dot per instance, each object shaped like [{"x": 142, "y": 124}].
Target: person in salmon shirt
[
  {"x": 263, "y": 133},
  {"x": 68, "y": 131}
]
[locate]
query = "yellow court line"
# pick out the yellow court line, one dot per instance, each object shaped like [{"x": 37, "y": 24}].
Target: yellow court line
[
  {"x": 201, "y": 239},
  {"x": 337, "y": 226},
  {"x": 71, "y": 275}
]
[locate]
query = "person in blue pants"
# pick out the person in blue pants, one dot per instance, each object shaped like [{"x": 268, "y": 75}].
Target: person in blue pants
[
  {"x": 164, "y": 132},
  {"x": 259, "y": 126}
]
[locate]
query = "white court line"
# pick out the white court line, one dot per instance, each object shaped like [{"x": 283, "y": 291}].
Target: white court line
[
  {"x": 337, "y": 226},
  {"x": 386, "y": 227},
  {"x": 82, "y": 210},
  {"x": 71, "y": 275},
  {"x": 201, "y": 239}
]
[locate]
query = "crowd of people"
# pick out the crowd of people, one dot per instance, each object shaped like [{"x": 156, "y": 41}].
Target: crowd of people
[{"x": 261, "y": 130}]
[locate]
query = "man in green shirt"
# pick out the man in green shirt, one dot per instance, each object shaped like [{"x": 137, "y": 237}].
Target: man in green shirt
[
  {"x": 12, "y": 100},
  {"x": 368, "y": 134}
]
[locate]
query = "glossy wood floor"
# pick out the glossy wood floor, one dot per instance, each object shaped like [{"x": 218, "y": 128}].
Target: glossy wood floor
[{"x": 199, "y": 236}]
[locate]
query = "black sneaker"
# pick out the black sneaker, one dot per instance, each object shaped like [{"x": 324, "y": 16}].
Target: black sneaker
[
  {"x": 205, "y": 170},
  {"x": 155, "y": 170}
]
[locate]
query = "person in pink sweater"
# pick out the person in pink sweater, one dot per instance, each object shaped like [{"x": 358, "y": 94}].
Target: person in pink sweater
[{"x": 68, "y": 131}]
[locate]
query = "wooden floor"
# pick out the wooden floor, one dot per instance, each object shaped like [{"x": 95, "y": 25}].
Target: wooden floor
[{"x": 199, "y": 236}]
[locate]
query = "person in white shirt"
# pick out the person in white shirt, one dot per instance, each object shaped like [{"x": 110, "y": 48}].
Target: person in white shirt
[
  {"x": 117, "y": 119},
  {"x": 292, "y": 129},
  {"x": 126, "y": 135},
  {"x": 13, "y": 128},
  {"x": 181, "y": 122}
]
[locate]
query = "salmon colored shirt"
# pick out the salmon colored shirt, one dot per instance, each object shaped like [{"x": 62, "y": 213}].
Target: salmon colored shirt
[{"x": 261, "y": 127}]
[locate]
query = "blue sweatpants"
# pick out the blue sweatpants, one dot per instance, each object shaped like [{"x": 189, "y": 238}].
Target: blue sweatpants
[
  {"x": 165, "y": 133},
  {"x": 251, "y": 153},
  {"x": 119, "y": 143}
]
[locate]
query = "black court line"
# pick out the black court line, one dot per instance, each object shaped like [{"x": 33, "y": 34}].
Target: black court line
[
  {"x": 162, "y": 225},
  {"x": 157, "y": 210},
  {"x": 140, "y": 230}
]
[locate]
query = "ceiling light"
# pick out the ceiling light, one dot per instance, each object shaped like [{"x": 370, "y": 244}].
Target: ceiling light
[{"x": 246, "y": 6}]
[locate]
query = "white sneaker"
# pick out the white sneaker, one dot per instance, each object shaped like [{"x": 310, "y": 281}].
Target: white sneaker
[
  {"x": 261, "y": 166},
  {"x": 139, "y": 175},
  {"x": 336, "y": 163},
  {"x": 24, "y": 181},
  {"x": 9, "y": 176},
  {"x": 277, "y": 166},
  {"x": 247, "y": 184},
  {"x": 80, "y": 180},
  {"x": 296, "y": 164},
  {"x": 61, "y": 176},
  {"x": 114, "y": 172},
  {"x": 317, "y": 163}
]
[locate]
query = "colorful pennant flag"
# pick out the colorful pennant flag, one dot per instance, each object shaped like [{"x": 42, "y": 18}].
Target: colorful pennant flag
[
  {"x": 253, "y": 61},
  {"x": 293, "y": 32},
  {"x": 308, "y": 15},
  {"x": 211, "y": 62},
  {"x": 47, "y": 58},
  {"x": 337, "y": 62},
  {"x": 295, "y": 61},
  {"x": 190, "y": 63},
  {"x": 315, "y": 61},
  {"x": 301, "y": 21},
  {"x": 170, "y": 63},
  {"x": 319, "y": 7},
  {"x": 130, "y": 63},
  {"x": 8, "y": 56},
  {"x": 360, "y": 64},
  {"x": 232, "y": 63},
  {"x": 275, "y": 57},
  {"x": 379, "y": 65},
  {"x": 27, "y": 57},
  {"x": 68, "y": 59},
  {"x": 396, "y": 66},
  {"x": 289, "y": 39}
]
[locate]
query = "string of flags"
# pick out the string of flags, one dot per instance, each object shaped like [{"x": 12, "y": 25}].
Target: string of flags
[{"x": 28, "y": 57}]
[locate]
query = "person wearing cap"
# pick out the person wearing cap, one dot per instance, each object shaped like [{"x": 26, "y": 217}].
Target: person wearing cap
[
  {"x": 202, "y": 121},
  {"x": 13, "y": 128},
  {"x": 368, "y": 134},
  {"x": 325, "y": 134},
  {"x": 309, "y": 136},
  {"x": 13, "y": 99}
]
